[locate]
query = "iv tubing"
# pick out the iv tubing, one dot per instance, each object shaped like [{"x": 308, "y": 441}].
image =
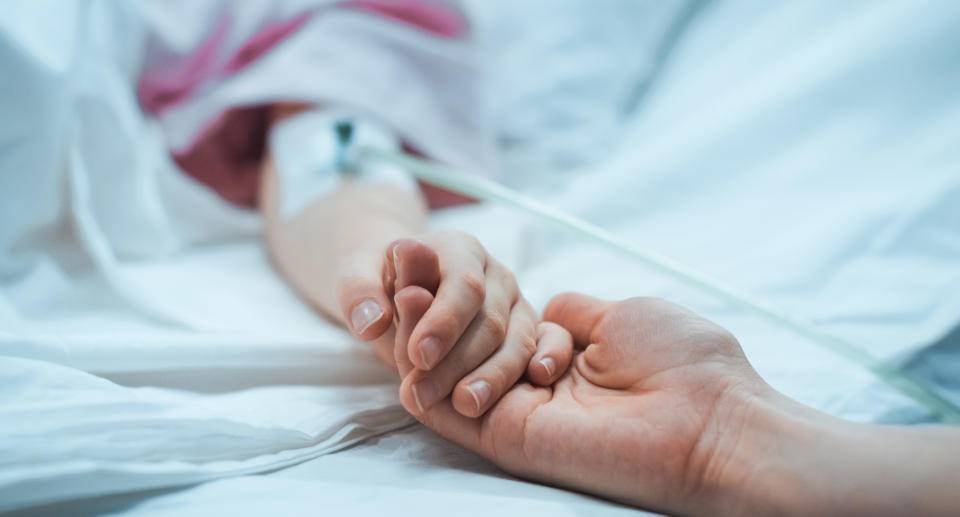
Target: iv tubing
[{"x": 486, "y": 190}]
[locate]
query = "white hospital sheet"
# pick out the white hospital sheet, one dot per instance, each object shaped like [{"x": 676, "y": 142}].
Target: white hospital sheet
[
  {"x": 270, "y": 384},
  {"x": 69, "y": 434}
]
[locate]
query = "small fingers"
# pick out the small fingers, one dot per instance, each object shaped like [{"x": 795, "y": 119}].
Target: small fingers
[
  {"x": 366, "y": 308},
  {"x": 480, "y": 389},
  {"x": 554, "y": 352},
  {"x": 423, "y": 388},
  {"x": 412, "y": 302},
  {"x": 409, "y": 263},
  {"x": 460, "y": 296},
  {"x": 479, "y": 369},
  {"x": 413, "y": 263}
]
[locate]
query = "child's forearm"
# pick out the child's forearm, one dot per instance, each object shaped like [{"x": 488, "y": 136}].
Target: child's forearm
[{"x": 344, "y": 233}]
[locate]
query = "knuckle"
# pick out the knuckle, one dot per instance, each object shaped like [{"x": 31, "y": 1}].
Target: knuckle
[
  {"x": 495, "y": 325},
  {"x": 444, "y": 320},
  {"x": 507, "y": 277},
  {"x": 440, "y": 323},
  {"x": 726, "y": 338},
  {"x": 498, "y": 377},
  {"x": 528, "y": 344},
  {"x": 474, "y": 285},
  {"x": 467, "y": 238},
  {"x": 460, "y": 365},
  {"x": 473, "y": 245}
]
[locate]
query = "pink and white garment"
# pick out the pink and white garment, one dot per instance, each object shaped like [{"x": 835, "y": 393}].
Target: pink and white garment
[
  {"x": 213, "y": 68},
  {"x": 105, "y": 104},
  {"x": 98, "y": 101}
]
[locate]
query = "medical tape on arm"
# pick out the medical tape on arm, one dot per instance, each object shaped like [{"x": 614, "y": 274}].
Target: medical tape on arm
[{"x": 316, "y": 151}]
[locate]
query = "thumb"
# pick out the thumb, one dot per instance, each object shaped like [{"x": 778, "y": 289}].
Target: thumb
[
  {"x": 366, "y": 309},
  {"x": 578, "y": 313}
]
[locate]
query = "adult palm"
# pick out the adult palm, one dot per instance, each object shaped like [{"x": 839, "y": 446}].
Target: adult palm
[{"x": 647, "y": 414}]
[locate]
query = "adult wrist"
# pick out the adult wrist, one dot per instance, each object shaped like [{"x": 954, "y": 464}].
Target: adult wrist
[{"x": 760, "y": 461}]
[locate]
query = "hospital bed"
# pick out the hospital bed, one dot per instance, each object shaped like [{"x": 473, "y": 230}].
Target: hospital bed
[{"x": 803, "y": 152}]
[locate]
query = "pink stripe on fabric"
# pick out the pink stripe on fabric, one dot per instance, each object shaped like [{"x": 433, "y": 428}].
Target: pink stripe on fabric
[
  {"x": 228, "y": 156},
  {"x": 164, "y": 85},
  {"x": 430, "y": 17},
  {"x": 265, "y": 39}
]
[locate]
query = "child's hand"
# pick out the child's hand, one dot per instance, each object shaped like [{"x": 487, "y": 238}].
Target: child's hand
[
  {"x": 467, "y": 332},
  {"x": 464, "y": 329}
]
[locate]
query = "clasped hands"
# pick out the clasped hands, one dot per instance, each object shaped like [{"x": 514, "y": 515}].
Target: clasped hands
[{"x": 646, "y": 414}]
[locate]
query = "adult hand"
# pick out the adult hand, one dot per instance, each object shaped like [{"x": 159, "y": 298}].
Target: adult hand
[
  {"x": 649, "y": 414},
  {"x": 662, "y": 410}
]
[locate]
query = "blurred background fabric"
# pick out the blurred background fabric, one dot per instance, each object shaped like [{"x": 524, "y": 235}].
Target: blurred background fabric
[{"x": 565, "y": 75}]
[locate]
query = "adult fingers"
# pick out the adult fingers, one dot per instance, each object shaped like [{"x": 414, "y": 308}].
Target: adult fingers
[
  {"x": 554, "y": 352},
  {"x": 578, "y": 313}
]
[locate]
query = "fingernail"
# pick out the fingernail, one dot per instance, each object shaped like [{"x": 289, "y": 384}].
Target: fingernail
[
  {"x": 549, "y": 365},
  {"x": 366, "y": 313},
  {"x": 396, "y": 259},
  {"x": 430, "y": 350},
  {"x": 424, "y": 394},
  {"x": 480, "y": 391}
]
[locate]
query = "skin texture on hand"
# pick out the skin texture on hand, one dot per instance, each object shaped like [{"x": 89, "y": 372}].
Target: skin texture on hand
[
  {"x": 661, "y": 410},
  {"x": 633, "y": 419},
  {"x": 479, "y": 335},
  {"x": 331, "y": 253},
  {"x": 486, "y": 336},
  {"x": 342, "y": 255}
]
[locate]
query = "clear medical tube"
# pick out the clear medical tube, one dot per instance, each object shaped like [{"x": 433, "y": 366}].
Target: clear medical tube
[{"x": 480, "y": 188}]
